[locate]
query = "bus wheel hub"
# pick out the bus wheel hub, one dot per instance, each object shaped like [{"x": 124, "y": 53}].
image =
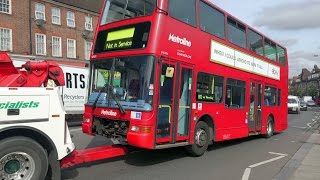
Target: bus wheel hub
[{"x": 201, "y": 137}]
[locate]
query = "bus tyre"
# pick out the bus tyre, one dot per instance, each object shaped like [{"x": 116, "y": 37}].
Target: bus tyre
[
  {"x": 201, "y": 140},
  {"x": 269, "y": 127},
  {"x": 22, "y": 158}
]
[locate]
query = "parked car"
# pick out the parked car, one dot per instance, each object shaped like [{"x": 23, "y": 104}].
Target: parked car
[
  {"x": 303, "y": 106},
  {"x": 311, "y": 103},
  {"x": 293, "y": 104},
  {"x": 306, "y": 98},
  {"x": 317, "y": 101}
]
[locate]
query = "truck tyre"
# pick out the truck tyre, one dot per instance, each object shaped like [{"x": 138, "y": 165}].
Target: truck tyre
[
  {"x": 201, "y": 140},
  {"x": 54, "y": 170},
  {"x": 22, "y": 158},
  {"x": 269, "y": 128}
]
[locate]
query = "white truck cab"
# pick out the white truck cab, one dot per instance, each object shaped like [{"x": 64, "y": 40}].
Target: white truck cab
[{"x": 34, "y": 136}]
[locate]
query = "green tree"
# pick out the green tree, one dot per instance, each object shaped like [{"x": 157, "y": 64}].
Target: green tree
[{"x": 312, "y": 90}]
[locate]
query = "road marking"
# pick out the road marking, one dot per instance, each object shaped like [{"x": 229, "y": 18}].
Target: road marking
[
  {"x": 299, "y": 127},
  {"x": 75, "y": 129},
  {"x": 265, "y": 162},
  {"x": 246, "y": 174},
  {"x": 280, "y": 154},
  {"x": 247, "y": 171},
  {"x": 309, "y": 125}
]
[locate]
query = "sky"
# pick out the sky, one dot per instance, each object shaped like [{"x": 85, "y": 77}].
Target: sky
[{"x": 294, "y": 24}]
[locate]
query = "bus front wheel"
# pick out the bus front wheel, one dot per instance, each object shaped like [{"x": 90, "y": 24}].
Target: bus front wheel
[{"x": 201, "y": 140}]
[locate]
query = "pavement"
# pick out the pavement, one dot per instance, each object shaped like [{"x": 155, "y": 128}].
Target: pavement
[{"x": 305, "y": 164}]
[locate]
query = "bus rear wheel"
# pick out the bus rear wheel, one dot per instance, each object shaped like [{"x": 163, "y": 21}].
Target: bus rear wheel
[
  {"x": 269, "y": 127},
  {"x": 201, "y": 140}
]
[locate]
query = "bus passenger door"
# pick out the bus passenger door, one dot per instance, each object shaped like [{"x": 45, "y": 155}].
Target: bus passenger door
[
  {"x": 255, "y": 112},
  {"x": 166, "y": 102},
  {"x": 174, "y": 108}
]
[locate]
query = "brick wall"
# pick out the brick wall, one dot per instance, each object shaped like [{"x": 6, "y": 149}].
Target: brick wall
[{"x": 18, "y": 21}]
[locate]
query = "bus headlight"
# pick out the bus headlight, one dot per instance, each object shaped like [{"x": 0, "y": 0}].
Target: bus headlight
[
  {"x": 141, "y": 129},
  {"x": 134, "y": 128},
  {"x": 86, "y": 120}
]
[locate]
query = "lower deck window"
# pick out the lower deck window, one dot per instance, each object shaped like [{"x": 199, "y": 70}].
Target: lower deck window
[{"x": 235, "y": 94}]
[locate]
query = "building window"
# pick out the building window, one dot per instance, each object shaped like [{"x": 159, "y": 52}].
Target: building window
[
  {"x": 270, "y": 96},
  {"x": 184, "y": 11},
  {"x": 71, "y": 48},
  {"x": 235, "y": 93},
  {"x": 237, "y": 33},
  {"x": 5, "y": 6},
  {"x": 55, "y": 16},
  {"x": 5, "y": 39},
  {"x": 88, "y": 23},
  {"x": 212, "y": 20},
  {"x": 56, "y": 46},
  {"x": 209, "y": 88},
  {"x": 87, "y": 50},
  {"x": 40, "y": 11},
  {"x": 71, "y": 19},
  {"x": 41, "y": 44}
]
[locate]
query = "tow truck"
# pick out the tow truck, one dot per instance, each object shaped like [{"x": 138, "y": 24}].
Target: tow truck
[{"x": 35, "y": 142}]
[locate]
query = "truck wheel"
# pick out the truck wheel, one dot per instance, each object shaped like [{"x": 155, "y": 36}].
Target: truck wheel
[
  {"x": 54, "y": 170},
  {"x": 22, "y": 158},
  {"x": 269, "y": 128},
  {"x": 201, "y": 140}
]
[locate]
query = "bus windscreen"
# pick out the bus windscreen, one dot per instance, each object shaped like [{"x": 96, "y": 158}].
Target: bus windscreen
[{"x": 116, "y": 10}]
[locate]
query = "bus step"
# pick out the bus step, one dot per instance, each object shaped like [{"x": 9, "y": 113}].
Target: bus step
[
  {"x": 163, "y": 146},
  {"x": 254, "y": 133}
]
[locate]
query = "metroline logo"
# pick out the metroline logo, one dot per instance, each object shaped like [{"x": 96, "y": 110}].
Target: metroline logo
[
  {"x": 19, "y": 105},
  {"x": 183, "y": 41},
  {"x": 108, "y": 113}
]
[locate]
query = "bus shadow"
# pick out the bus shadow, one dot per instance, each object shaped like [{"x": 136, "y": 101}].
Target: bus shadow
[
  {"x": 142, "y": 157},
  {"x": 224, "y": 144}
]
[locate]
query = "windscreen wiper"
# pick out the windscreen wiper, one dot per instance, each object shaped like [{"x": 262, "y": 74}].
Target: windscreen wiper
[
  {"x": 115, "y": 98},
  {"x": 122, "y": 110},
  {"x": 97, "y": 98}
]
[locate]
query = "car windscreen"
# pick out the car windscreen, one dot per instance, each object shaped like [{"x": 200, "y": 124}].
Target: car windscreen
[{"x": 292, "y": 101}]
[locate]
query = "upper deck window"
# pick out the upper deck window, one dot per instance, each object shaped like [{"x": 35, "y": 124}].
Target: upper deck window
[
  {"x": 212, "y": 20},
  {"x": 281, "y": 55},
  {"x": 237, "y": 33},
  {"x": 270, "y": 50},
  {"x": 183, "y": 10},
  {"x": 116, "y": 10},
  {"x": 255, "y": 42}
]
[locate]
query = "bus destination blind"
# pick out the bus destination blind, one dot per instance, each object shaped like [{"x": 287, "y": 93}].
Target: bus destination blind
[{"x": 120, "y": 39}]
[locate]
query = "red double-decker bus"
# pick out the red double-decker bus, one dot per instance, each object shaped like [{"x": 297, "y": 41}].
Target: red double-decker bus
[{"x": 167, "y": 73}]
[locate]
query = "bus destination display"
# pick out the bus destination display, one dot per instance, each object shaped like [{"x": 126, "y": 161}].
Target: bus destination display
[
  {"x": 134, "y": 36},
  {"x": 120, "y": 39}
]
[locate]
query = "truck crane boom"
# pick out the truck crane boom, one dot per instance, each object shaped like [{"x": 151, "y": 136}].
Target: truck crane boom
[
  {"x": 30, "y": 74},
  {"x": 35, "y": 142}
]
